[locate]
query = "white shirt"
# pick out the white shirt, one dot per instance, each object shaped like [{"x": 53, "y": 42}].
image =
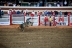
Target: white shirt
[
  {"x": 65, "y": 2},
  {"x": 55, "y": 3},
  {"x": 33, "y": 13},
  {"x": 58, "y": 5},
  {"x": 9, "y": 12},
  {"x": 14, "y": 5},
  {"x": 49, "y": 5}
]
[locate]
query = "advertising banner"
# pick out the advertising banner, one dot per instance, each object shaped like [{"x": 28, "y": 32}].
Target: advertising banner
[{"x": 17, "y": 19}]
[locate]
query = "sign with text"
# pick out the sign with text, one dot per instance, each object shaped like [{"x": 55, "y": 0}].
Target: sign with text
[{"x": 4, "y": 21}]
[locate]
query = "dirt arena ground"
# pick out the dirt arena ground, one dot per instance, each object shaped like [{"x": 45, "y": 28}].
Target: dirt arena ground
[{"x": 36, "y": 37}]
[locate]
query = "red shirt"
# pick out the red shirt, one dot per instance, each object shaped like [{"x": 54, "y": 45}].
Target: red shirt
[
  {"x": 53, "y": 13},
  {"x": 69, "y": 13},
  {"x": 32, "y": 15},
  {"x": 46, "y": 19}
]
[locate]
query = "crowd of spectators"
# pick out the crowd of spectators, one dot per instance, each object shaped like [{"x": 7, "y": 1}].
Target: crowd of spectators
[
  {"x": 44, "y": 13},
  {"x": 56, "y": 13},
  {"x": 38, "y": 4},
  {"x": 10, "y": 11},
  {"x": 33, "y": 13}
]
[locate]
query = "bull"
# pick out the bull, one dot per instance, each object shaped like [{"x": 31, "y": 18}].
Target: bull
[{"x": 25, "y": 24}]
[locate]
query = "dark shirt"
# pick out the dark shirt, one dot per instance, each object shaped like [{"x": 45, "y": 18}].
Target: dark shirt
[
  {"x": 0, "y": 13},
  {"x": 18, "y": 12},
  {"x": 66, "y": 13},
  {"x": 56, "y": 12}
]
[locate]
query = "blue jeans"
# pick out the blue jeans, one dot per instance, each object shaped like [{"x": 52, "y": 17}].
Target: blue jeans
[{"x": 45, "y": 23}]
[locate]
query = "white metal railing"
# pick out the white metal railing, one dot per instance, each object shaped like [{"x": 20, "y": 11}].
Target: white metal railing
[{"x": 33, "y": 7}]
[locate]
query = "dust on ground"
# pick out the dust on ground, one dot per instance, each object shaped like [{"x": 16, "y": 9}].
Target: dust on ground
[{"x": 36, "y": 38}]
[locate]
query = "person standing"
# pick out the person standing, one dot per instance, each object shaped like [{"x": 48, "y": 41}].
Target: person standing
[
  {"x": 50, "y": 21},
  {"x": 27, "y": 12},
  {"x": 60, "y": 13},
  {"x": 14, "y": 12},
  {"x": 18, "y": 11},
  {"x": 46, "y": 20},
  {"x": 9, "y": 11}
]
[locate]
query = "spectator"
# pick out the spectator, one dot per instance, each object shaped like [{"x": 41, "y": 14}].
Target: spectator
[
  {"x": 38, "y": 13},
  {"x": 51, "y": 13},
  {"x": 46, "y": 20},
  {"x": 35, "y": 5},
  {"x": 40, "y": 3},
  {"x": 50, "y": 21},
  {"x": 14, "y": 5},
  {"x": 69, "y": 13},
  {"x": 10, "y": 11},
  {"x": 61, "y": 3},
  {"x": 65, "y": 13},
  {"x": 55, "y": 22},
  {"x": 46, "y": 4},
  {"x": 65, "y": 3},
  {"x": 61, "y": 21},
  {"x": 9, "y": 3},
  {"x": 26, "y": 11},
  {"x": 18, "y": 5},
  {"x": 60, "y": 13},
  {"x": 56, "y": 13},
  {"x": 49, "y": 5},
  {"x": 33, "y": 13},
  {"x": 58, "y": 4},
  {"x": 14, "y": 12},
  {"x": 22, "y": 12},
  {"x": 18, "y": 12},
  {"x": 29, "y": 3},
  {"x": 45, "y": 13},
  {"x": 55, "y": 3},
  {"x": 5, "y": 4},
  {"x": 0, "y": 13}
]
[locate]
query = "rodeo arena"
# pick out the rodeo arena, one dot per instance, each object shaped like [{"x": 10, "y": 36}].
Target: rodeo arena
[{"x": 35, "y": 25}]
